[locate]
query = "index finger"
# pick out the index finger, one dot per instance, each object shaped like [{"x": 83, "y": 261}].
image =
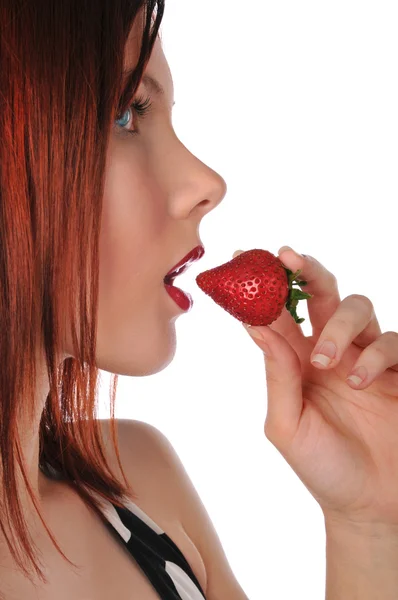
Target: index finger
[{"x": 321, "y": 284}]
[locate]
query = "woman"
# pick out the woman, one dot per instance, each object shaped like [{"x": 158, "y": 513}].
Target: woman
[{"x": 96, "y": 187}]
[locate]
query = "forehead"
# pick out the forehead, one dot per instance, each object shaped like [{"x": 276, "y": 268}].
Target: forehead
[{"x": 157, "y": 66}]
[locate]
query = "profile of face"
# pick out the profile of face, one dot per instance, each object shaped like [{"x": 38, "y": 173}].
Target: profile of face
[{"x": 156, "y": 195}]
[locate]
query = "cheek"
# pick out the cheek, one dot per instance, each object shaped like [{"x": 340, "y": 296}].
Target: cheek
[
  {"x": 135, "y": 332},
  {"x": 131, "y": 224}
]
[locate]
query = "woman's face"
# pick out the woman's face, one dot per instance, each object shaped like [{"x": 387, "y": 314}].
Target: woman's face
[{"x": 156, "y": 195}]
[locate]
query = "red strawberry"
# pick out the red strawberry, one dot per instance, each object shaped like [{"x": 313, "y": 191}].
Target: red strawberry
[{"x": 254, "y": 287}]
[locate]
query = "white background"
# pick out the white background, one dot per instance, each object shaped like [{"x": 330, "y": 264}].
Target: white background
[{"x": 296, "y": 105}]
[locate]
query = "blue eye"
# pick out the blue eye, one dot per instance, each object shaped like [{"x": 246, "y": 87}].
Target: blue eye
[{"x": 141, "y": 106}]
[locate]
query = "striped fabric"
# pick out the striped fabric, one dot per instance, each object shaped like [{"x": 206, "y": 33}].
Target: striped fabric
[{"x": 156, "y": 554}]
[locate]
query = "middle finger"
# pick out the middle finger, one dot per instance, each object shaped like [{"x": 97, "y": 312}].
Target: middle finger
[{"x": 354, "y": 321}]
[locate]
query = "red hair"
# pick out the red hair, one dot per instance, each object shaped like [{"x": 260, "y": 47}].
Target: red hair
[{"x": 61, "y": 71}]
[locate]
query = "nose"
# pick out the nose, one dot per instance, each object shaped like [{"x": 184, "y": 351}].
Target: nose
[{"x": 191, "y": 184}]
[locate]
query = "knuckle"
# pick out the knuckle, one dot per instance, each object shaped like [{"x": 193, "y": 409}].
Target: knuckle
[
  {"x": 391, "y": 335},
  {"x": 272, "y": 379},
  {"x": 361, "y": 298},
  {"x": 331, "y": 284},
  {"x": 378, "y": 353},
  {"x": 364, "y": 301},
  {"x": 329, "y": 275},
  {"x": 333, "y": 279},
  {"x": 340, "y": 323},
  {"x": 378, "y": 348}
]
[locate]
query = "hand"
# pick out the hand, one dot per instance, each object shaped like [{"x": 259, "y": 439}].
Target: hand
[{"x": 341, "y": 439}]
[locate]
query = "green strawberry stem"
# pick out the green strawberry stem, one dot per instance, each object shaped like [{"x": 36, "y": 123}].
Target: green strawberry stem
[{"x": 295, "y": 295}]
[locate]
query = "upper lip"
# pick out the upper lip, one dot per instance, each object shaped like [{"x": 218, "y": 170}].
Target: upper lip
[{"x": 184, "y": 264}]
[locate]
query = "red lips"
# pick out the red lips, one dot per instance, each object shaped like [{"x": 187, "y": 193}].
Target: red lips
[{"x": 184, "y": 264}]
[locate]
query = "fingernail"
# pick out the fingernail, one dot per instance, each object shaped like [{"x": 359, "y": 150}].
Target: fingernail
[
  {"x": 285, "y": 248},
  {"x": 237, "y": 252},
  {"x": 358, "y": 376},
  {"x": 253, "y": 332},
  {"x": 324, "y": 353}
]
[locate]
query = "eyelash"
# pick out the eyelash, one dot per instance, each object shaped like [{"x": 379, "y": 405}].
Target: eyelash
[{"x": 141, "y": 106}]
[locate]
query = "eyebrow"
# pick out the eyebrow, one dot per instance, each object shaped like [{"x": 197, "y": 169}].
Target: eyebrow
[{"x": 153, "y": 85}]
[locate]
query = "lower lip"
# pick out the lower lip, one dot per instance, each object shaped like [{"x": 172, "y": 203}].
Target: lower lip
[{"x": 182, "y": 299}]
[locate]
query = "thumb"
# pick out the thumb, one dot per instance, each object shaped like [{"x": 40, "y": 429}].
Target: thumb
[{"x": 284, "y": 384}]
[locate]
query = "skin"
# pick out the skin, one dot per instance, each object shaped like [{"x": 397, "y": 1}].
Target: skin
[
  {"x": 156, "y": 195},
  {"x": 339, "y": 438}
]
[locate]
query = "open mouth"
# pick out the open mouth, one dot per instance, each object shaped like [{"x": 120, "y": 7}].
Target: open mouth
[
  {"x": 181, "y": 298},
  {"x": 195, "y": 255},
  {"x": 169, "y": 279}
]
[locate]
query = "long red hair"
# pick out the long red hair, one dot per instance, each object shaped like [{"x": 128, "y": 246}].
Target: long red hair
[{"x": 61, "y": 73}]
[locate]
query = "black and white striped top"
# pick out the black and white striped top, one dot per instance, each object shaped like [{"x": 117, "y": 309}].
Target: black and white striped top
[{"x": 157, "y": 555}]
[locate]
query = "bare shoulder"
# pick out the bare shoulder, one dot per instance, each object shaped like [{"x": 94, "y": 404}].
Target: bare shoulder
[
  {"x": 143, "y": 459},
  {"x": 145, "y": 449}
]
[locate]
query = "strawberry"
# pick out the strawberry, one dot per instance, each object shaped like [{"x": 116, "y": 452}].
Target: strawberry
[{"x": 254, "y": 287}]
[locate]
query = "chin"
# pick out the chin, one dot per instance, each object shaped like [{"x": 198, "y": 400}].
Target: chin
[{"x": 153, "y": 357}]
